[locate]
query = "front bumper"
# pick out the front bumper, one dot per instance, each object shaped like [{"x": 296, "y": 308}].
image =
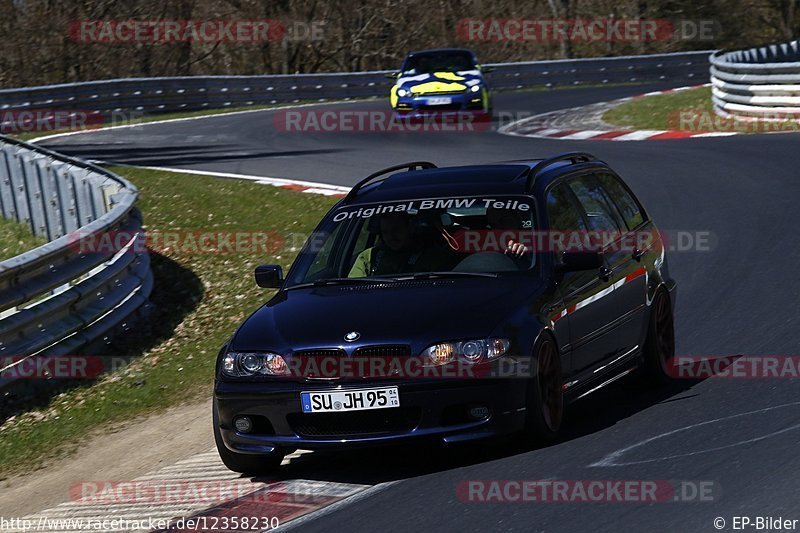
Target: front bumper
[
  {"x": 434, "y": 103},
  {"x": 429, "y": 411}
]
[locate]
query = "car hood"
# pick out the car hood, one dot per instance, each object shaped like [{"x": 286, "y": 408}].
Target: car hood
[
  {"x": 440, "y": 82},
  {"x": 414, "y": 312}
]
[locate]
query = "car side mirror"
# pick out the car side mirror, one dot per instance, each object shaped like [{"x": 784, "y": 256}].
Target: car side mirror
[
  {"x": 392, "y": 75},
  {"x": 580, "y": 261},
  {"x": 269, "y": 276}
]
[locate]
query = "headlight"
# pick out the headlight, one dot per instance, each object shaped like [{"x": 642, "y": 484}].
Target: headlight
[
  {"x": 475, "y": 88},
  {"x": 238, "y": 364},
  {"x": 472, "y": 351},
  {"x": 401, "y": 92}
]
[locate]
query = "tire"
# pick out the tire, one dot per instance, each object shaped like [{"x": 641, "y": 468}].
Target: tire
[
  {"x": 244, "y": 463},
  {"x": 545, "y": 399},
  {"x": 659, "y": 345}
]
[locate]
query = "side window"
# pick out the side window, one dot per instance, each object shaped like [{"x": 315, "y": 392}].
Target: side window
[
  {"x": 627, "y": 205},
  {"x": 323, "y": 262},
  {"x": 562, "y": 212},
  {"x": 592, "y": 198},
  {"x": 366, "y": 238},
  {"x": 566, "y": 222},
  {"x": 329, "y": 250}
]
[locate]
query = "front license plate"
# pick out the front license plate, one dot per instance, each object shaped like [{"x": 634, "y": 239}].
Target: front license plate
[
  {"x": 441, "y": 100},
  {"x": 350, "y": 400}
]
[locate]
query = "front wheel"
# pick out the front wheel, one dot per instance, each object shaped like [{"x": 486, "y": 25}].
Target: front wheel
[
  {"x": 244, "y": 463},
  {"x": 545, "y": 404}
]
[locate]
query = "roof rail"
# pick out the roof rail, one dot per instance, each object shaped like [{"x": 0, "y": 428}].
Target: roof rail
[
  {"x": 405, "y": 166},
  {"x": 573, "y": 157}
]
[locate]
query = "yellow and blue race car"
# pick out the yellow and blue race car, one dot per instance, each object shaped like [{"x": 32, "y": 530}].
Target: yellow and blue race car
[{"x": 448, "y": 79}]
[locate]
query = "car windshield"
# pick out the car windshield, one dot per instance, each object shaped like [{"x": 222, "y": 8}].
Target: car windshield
[
  {"x": 438, "y": 62},
  {"x": 461, "y": 236}
]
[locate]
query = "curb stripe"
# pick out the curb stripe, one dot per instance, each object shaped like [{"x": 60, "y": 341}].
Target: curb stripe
[
  {"x": 319, "y": 513},
  {"x": 673, "y": 135},
  {"x": 639, "y": 135},
  {"x": 585, "y": 134},
  {"x": 611, "y": 134},
  {"x": 564, "y": 133},
  {"x": 541, "y": 131},
  {"x": 218, "y": 492}
]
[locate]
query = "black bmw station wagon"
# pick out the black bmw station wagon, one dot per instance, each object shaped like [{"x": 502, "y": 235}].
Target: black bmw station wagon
[{"x": 447, "y": 305}]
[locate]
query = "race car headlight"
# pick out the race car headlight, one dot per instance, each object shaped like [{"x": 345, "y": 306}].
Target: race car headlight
[
  {"x": 245, "y": 364},
  {"x": 471, "y": 351},
  {"x": 402, "y": 92},
  {"x": 475, "y": 88}
]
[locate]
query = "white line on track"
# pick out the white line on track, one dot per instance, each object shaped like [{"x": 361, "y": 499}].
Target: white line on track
[
  {"x": 314, "y": 187},
  {"x": 612, "y": 458},
  {"x": 717, "y": 134}
]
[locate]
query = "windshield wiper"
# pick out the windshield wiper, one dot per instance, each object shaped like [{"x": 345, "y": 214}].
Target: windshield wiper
[
  {"x": 341, "y": 281},
  {"x": 420, "y": 275},
  {"x": 432, "y": 275}
]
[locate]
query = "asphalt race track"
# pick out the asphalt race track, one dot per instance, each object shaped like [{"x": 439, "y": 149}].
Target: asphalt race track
[{"x": 738, "y": 297}]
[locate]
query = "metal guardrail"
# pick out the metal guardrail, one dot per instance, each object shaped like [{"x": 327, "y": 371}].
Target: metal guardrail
[
  {"x": 61, "y": 298},
  {"x": 159, "y": 95},
  {"x": 759, "y": 83}
]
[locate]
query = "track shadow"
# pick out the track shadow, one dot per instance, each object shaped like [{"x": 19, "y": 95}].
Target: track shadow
[
  {"x": 176, "y": 292},
  {"x": 193, "y": 154}
]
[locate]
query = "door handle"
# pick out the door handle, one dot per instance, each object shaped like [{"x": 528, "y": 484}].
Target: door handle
[
  {"x": 605, "y": 273},
  {"x": 638, "y": 253}
]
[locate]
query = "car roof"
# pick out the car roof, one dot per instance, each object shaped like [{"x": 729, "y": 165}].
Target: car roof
[
  {"x": 502, "y": 178},
  {"x": 436, "y": 182}
]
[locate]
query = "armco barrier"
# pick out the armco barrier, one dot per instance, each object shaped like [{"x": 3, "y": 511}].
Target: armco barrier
[
  {"x": 56, "y": 299},
  {"x": 760, "y": 83},
  {"x": 154, "y": 95}
]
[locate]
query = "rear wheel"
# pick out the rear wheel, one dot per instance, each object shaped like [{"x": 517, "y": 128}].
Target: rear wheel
[
  {"x": 659, "y": 346},
  {"x": 245, "y": 463},
  {"x": 545, "y": 405}
]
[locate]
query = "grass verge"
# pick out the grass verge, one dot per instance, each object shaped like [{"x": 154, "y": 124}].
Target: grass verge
[
  {"x": 690, "y": 110},
  {"x": 198, "y": 298},
  {"x": 16, "y": 238},
  {"x": 659, "y": 112}
]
